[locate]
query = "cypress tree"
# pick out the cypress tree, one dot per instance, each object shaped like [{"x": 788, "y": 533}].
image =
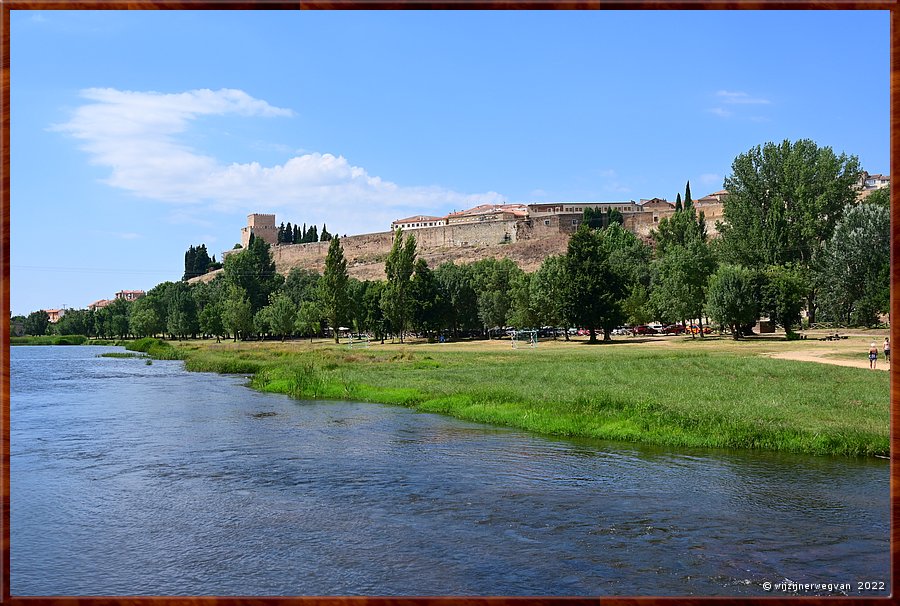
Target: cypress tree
[
  {"x": 325, "y": 237},
  {"x": 313, "y": 234},
  {"x": 301, "y": 237},
  {"x": 281, "y": 233},
  {"x": 678, "y": 203},
  {"x": 289, "y": 234},
  {"x": 688, "y": 203}
]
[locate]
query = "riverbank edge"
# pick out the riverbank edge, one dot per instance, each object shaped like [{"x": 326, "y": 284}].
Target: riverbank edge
[{"x": 304, "y": 379}]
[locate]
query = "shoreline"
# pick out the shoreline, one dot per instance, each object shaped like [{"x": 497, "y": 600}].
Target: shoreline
[{"x": 698, "y": 396}]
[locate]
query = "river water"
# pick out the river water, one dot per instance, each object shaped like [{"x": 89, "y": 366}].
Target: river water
[{"x": 129, "y": 479}]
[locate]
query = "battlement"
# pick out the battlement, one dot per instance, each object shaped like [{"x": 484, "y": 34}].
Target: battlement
[{"x": 261, "y": 226}]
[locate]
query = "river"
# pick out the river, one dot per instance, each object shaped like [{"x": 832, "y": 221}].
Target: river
[{"x": 136, "y": 479}]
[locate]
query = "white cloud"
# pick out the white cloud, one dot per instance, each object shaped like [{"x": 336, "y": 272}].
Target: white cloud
[
  {"x": 136, "y": 135},
  {"x": 740, "y": 98},
  {"x": 721, "y": 112}
]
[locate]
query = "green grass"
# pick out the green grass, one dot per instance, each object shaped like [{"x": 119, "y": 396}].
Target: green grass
[{"x": 684, "y": 395}]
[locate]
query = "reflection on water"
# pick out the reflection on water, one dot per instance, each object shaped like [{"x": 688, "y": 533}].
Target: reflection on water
[{"x": 133, "y": 479}]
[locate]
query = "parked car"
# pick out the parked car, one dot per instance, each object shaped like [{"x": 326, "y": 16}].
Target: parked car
[
  {"x": 695, "y": 330},
  {"x": 621, "y": 330},
  {"x": 674, "y": 329},
  {"x": 643, "y": 329}
]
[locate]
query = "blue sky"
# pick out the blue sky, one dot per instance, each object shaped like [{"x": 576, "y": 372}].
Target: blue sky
[{"x": 137, "y": 134}]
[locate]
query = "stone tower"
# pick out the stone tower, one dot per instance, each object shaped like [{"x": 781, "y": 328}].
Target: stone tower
[{"x": 261, "y": 226}]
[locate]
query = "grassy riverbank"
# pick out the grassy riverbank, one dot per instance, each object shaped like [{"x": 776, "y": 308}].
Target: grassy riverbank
[{"x": 678, "y": 392}]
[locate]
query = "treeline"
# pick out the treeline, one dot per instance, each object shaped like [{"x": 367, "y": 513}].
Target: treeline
[
  {"x": 794, "y": 237},
  {"x": 288, "y": 234}
]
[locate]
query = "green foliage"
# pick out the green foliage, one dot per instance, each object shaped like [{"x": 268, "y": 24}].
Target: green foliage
[
  {"x": 75, "y": 322},
  {"x": 211, "y": 320},
  {"x": 429, "y": 306},
  {"x": 301, "y": 285},
  {"x": 156, "y": 348},
  {"x": 783, "y": 204},
  {"x": 880, "y": 197},
  {"x": 396, "y": 301},
  {"x": 37, "y": 323},
  {"x": 237, "y": 313},
  {"x": 548, "y": 293},
  {"x": 783, "y": 293},
  {"x": 282, "y": 315},
  {"x": 492, "y": 280},
  {"x": 196, "y": 262},
  {"x": 181, "y": 319},
  {"x": 253, "y": 271},
  {"x": 333, "y": 295},
  {"x": 595, "y": 287},
  {"x": 325, "y": 237},
  {"x": 732, "y": 298},
  {"x": 456, "y": 284},
  {"x": 309, "y": 318},
  {"x": 855, "y": 272}
]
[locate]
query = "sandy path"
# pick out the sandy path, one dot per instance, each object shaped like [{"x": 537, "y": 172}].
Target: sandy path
[{"x": 818, "y": 356}]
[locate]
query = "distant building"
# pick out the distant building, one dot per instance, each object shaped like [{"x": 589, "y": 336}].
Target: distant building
[
  {"x": 261, "y": 226},
  {"x": 555, "y": 208},
  {"x": 99, "y": 304},
  {"x": 418, "y": 222},
  {"x": 55, "y": 314},
  {"x": 869, "y": 182},
  {"x": 488, "y": 212},
  {"x": 130, "y": 295}
]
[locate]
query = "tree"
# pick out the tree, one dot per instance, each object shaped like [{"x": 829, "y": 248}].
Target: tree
[
  {"x": 333, "y": 295},
  {"x": 253, "y": 271},
  {"x": 309, "y": 318},
  {"x": 299, "y": 236},
  {"x": 289, "y": 234},
  {"x": 783, "y": 203},
  {"x": 457, "y": 287},
  {"x": 281, "y": 233},
  {"x": 688, "y": 202},
  {"x": 855, "y": 273},
  {"x": 783, "y": 291},
  {"x": 548, "y": 288},
  {"x": 282, "y": 315},
  {"x": 678, "y": 205},
  {"x": 371, "y": 316},
  {"x": 522, "y": 312},
  {"x": 37, "y": 323},
  {"x": 325, "y": 237},
  {"x": 879, "y": 197},
  {"x": 395, "y": 300},
  {"x": 237, "y": 313},
  {"x": 594, "y": 289},
  {"x": 731, "y": 300},
  {"x": 74, "y": 322},
  {"x": 493, "y": 281},
  {"x": 117, "y": 317},
  {"x": 182, "y": 313},
  {"x": 301, "y": 285},
  {"x": 428, "y": 310},
  {"x": 211, "y": 320},
  {"x": 145, "y": 320},
  {"x": 196, "y": 262}
]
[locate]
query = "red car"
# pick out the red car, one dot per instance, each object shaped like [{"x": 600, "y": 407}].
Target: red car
[
  {"x": 674, "y": 329},
  {"x": 643, "y": 329}
]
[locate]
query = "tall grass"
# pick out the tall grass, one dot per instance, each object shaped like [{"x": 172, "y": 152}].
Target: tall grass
[{"x": 684, "y": 396}]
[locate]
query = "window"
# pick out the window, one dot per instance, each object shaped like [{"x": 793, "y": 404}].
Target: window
[
  {"x": 546, "y": 221},
  {"x": 574, "y": 221}
]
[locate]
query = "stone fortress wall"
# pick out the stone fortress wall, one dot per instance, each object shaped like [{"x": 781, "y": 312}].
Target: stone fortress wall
[{"x": 527, "y": 241}]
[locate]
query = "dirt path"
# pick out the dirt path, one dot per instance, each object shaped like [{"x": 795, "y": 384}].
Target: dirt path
[{"x": 819, "y": 356}]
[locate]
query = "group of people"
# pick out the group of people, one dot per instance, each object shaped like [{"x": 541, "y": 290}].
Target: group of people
[{"x": 873, "y": 353}]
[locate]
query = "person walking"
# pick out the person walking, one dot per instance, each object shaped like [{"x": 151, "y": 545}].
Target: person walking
[
  {"x": 887, "y": 350},
  {"x": 873, "y": 355}
]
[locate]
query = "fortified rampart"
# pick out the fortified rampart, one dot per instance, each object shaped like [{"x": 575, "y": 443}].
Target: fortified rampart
[{"x": 526, "y": 241}]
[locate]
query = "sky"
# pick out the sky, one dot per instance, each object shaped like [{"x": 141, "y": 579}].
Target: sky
[{"x": 136, "y": 134}]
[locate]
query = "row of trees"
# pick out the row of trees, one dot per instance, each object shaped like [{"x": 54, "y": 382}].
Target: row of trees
[
  {"x": 294, "y": 234},
  {"x": 794, "y": 237}
]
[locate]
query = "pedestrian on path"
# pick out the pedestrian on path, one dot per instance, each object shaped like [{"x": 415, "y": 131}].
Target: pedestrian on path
[
  {"x": 873, "y": 355},
  {"x": 887, "y": 350}
]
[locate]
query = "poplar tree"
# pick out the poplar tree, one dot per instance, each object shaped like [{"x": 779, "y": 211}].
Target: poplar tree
[
  {"x": 395, "y": 300},
  {"x": 333, "y": 294}
]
